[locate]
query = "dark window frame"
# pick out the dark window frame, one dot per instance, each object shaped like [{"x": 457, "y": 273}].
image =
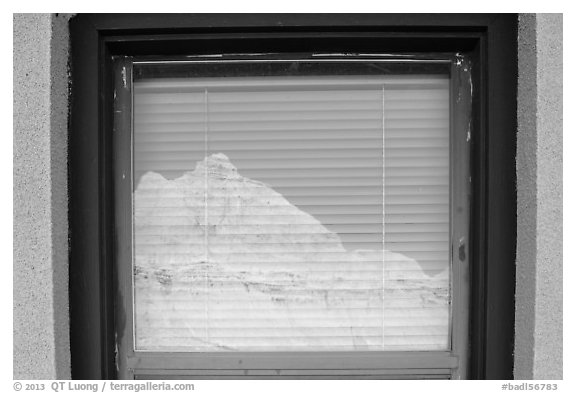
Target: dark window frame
[{"x": 489, "y": 40}]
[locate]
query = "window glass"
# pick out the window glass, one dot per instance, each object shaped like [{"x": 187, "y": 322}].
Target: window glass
[{"x": 290, "y": 207}]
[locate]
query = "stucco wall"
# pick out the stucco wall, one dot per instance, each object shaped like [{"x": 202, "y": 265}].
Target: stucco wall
[
  {"x": 538, "y": 347},
  {"x": 40, "y": 275},
  {"x": 41, "y": 342}
]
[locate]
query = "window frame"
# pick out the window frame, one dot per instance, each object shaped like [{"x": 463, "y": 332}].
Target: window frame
[
  {"x": 489, "y": 40},
  {"x": 450, "y": 363}
]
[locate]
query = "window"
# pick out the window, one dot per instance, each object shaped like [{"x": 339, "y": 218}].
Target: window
[
  {"x": 294, "y": 213},
  {"x": 285, "y": 204}
]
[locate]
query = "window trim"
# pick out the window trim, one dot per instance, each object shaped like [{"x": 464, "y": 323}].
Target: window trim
[{"x": 488, "y": 39}]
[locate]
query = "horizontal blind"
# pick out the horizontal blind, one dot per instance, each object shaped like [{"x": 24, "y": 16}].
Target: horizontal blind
[{"x": 283, "y": 215}]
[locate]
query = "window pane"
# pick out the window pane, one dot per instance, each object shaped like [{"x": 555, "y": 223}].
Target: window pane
[{"x": 291, "y": 213}]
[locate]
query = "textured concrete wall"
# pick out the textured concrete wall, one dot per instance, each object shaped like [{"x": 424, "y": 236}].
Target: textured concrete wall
[
  {"x": 40, "y": 276},
  {"x": 538, "y": 347},
  {"x": 41, "y": 344}
]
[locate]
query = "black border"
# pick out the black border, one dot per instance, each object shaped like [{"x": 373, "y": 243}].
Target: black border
[{"x": 489, "y": 39}]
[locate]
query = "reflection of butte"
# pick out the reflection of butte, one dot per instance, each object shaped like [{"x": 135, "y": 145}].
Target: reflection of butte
[
  {"x": 245, "y": 216},
  {"x": 264, "y": 255}
]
